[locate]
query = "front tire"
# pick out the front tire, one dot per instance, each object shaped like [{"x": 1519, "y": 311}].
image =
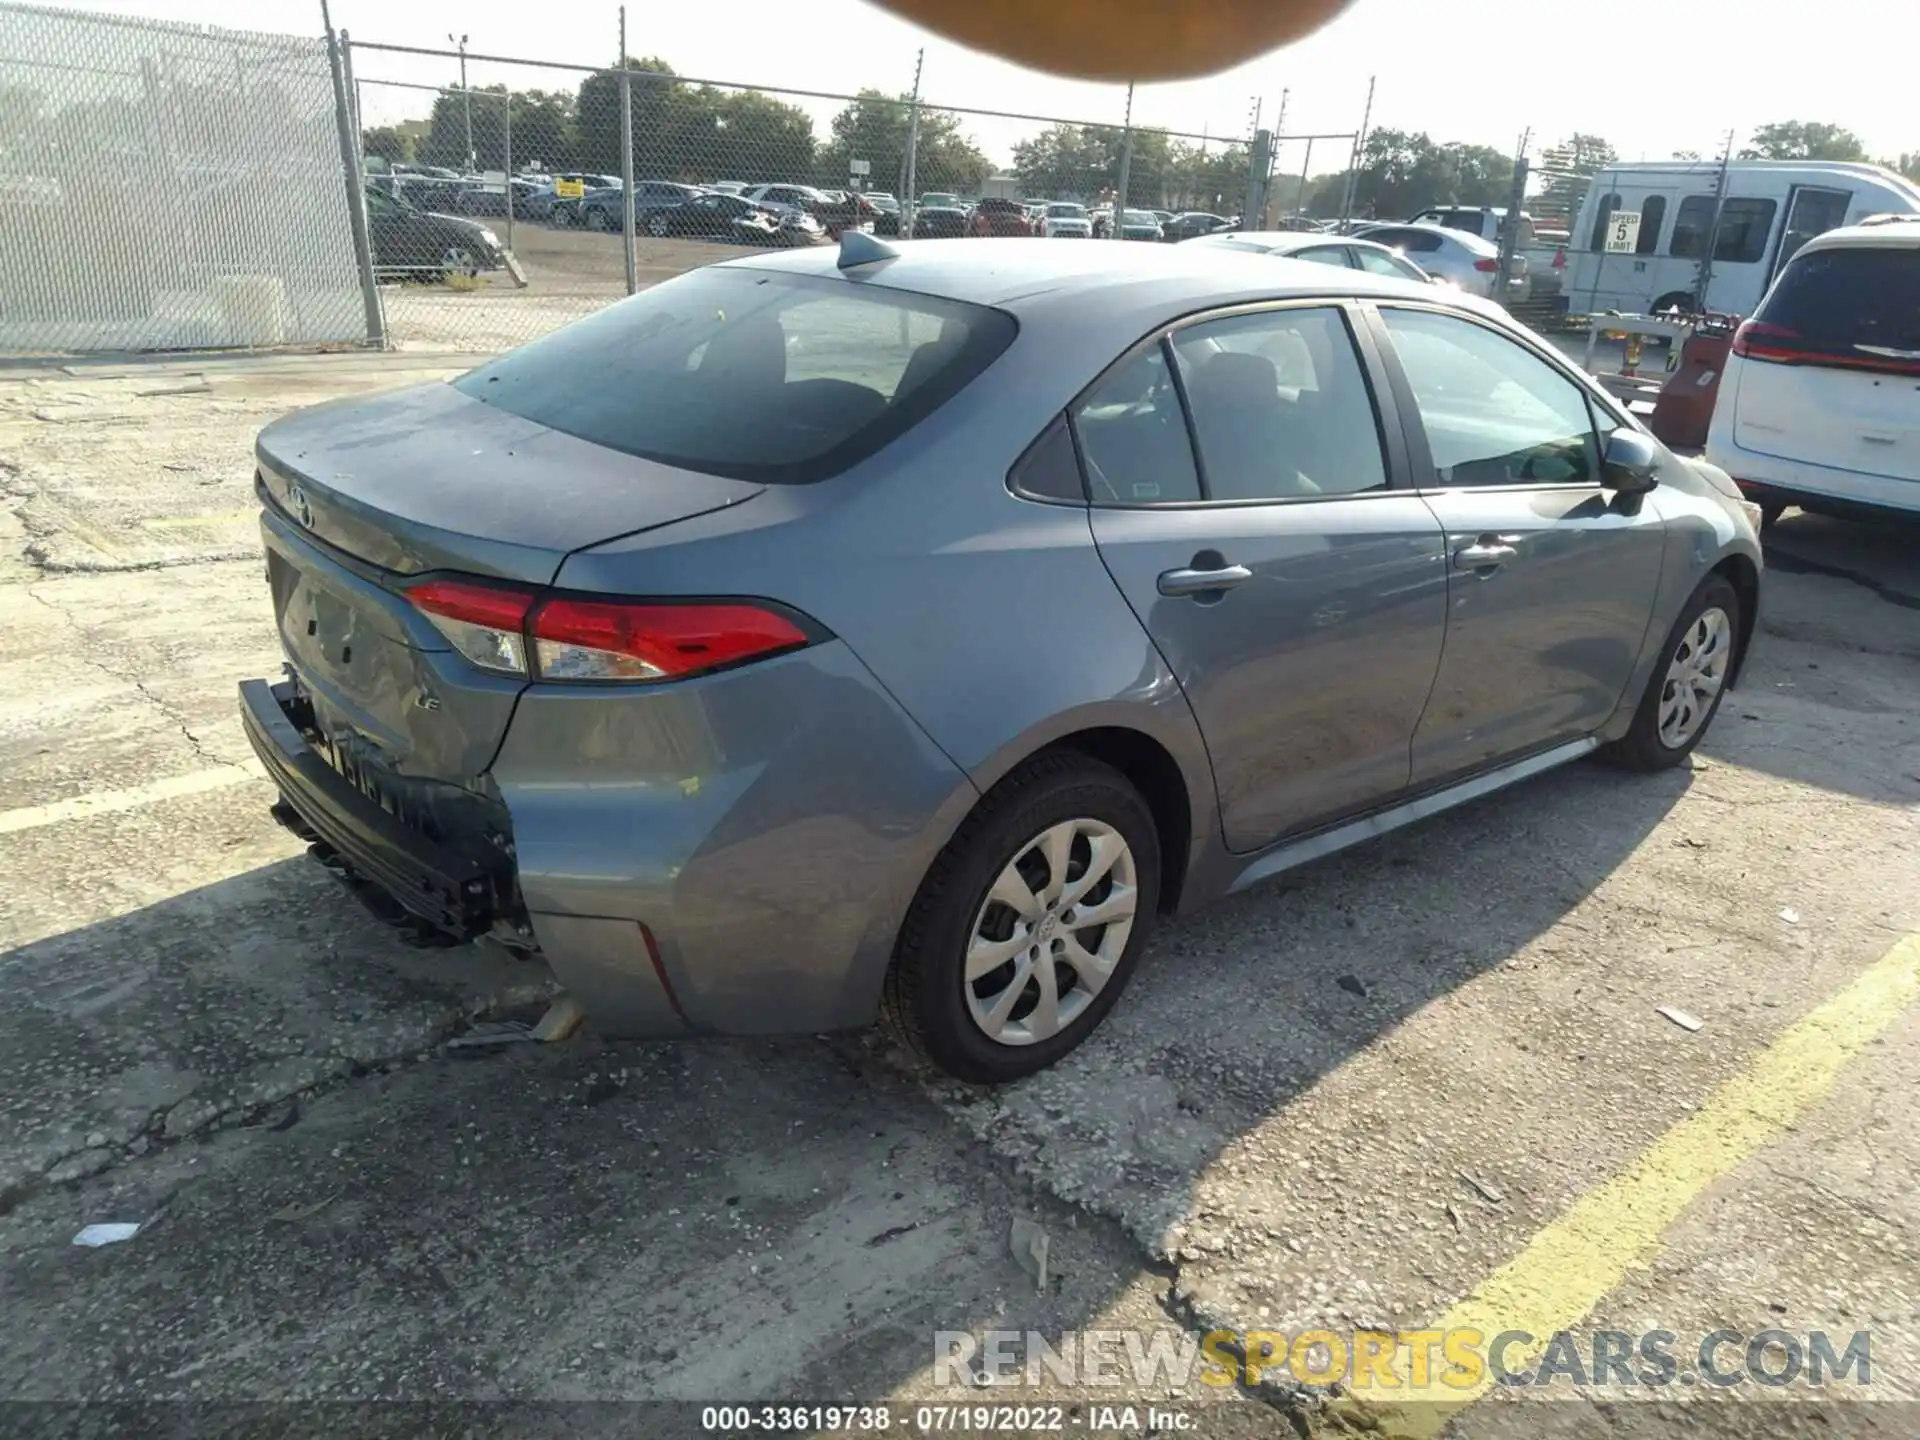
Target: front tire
[
  {"x": 1688, "y": 685},
  {"x": 1029, "y": 923}
]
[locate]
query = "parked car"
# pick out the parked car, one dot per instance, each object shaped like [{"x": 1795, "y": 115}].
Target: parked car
[
  {"x": 1545, "y": 254},
  {"x": 999, "y": 217},
  {"x": 566, "y": 212},
  {"x": 1139, "y": 225},
  {"x": 1819, "y": 402},
  {"x": 627, "y": 647},
  {"x": 1347, "y": 252},
  {"x": 1768, "y": 210},
  {"x": 886, "y": 218},
  {"x": 939, "y": 222},
  {"x": 1187, "y": 225},
  {"x": 941, "y": 200},
  {"x": 1464, "y": 260},
  {"x": 419, "y": 245},
  {"x": 841, "y": 210},
  {"x": 728, "y": 187},
  {"x": 489, "y": 197},
  {"x": 600, "y": 210},
  {"x": 733, "y": 217},
  {"x": 1065, "y": 220}
]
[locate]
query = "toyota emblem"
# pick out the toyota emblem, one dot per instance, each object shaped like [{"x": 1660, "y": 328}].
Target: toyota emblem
[{"x": 297, "y": 503}]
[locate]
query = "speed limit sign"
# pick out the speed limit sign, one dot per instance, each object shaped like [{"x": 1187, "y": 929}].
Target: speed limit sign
[{"x": 1623, "y": 232}]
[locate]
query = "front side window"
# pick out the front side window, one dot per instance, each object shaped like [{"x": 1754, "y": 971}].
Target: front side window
[
  {"x": 1493, "y": 413},
  {"x": 756, "y": 375},
  {"x": 1133, "y": 436},
  {"x": 1602, "y": 217},
  {"x": 1325, "y": 255},
  {"x": 1281, "y": 409}
]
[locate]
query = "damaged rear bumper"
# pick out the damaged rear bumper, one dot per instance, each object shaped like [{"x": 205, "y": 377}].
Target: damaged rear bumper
[{"x": 442, "y": 888}]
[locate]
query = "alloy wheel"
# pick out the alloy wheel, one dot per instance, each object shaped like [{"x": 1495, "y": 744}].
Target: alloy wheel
[
  {"x": 1050, "y": 932},
  {"x": 1695, "y": 676}
]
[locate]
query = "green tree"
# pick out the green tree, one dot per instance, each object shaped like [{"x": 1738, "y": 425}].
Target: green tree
[
  {"x": 1212, "y": 177},
  {"x": 389, "y": 143},
  {"x": 1804, "y": 140},
  {"x": 545, "y": 132},
  {"x": 1907, "y": 164},
  {"x": 1568, "y": 170},
  {"x": 873, "y": 127}
]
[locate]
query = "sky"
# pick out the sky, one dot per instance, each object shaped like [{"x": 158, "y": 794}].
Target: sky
[{"x": 1652, "y": 76}]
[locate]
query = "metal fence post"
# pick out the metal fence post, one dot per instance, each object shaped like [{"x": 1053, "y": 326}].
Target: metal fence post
[
  {"x": 1259, "y": 161},
  {"x": 1126, "y": 169},
  {"x": 1359, "y": 153},
  {"x": 356, "y": 182},
  {"x": 1510, "y": 225},
  {"x": 909, "y": 184},
  {"x": 506, "y": 163},
  {"x": 626, "y": 160}
]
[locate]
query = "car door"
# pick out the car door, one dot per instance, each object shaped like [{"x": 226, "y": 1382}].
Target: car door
[
  {"x": 1552, "y": 576},
  {"x": 1811, "y": 210},
  {"x": 400, "y": 236},
  {"x": 1297, "y": 592}
]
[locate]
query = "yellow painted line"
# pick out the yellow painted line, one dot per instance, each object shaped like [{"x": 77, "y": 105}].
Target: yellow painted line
[
  {"x": 1574, "y": 1263},
  {"x": 106, "y": 802}
]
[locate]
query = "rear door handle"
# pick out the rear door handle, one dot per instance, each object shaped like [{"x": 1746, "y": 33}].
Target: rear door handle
[
  {"x": 1200, "y": 582},
  {"x": 1488, "y": 553}
]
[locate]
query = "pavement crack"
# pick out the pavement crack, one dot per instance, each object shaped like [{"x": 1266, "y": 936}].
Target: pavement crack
[{"x": 179, "y": 721}]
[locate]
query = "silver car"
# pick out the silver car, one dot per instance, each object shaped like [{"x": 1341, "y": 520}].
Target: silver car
[
  {"x": 1460, "y": 259},
  {"x": 832, "y": 633},
  {"x": 1344, "y": 251}
]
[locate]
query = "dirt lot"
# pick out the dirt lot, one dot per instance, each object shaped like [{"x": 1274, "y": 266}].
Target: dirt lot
[{"x": 1421, "y": 1084}]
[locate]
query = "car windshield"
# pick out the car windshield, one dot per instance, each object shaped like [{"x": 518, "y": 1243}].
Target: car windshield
[
  {"x": 1139, "y": 217},
  {"x": 748, "y": 373},
  {"x": 1859, "y": 300},
  {"x": 1066, "y": 212}
]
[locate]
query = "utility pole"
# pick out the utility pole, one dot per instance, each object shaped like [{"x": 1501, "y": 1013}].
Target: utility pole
[{"x": 466, "y": 98}]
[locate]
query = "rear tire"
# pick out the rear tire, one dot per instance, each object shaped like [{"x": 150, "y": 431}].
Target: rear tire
[
  {"x": 1675, "y": 711},
  {"x": 1770, "y": 512},
  {"x": 1052, "y": 826}
]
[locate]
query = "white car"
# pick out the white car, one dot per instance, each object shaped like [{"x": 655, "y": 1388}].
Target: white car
[
  {"x": 1346, "y": 251},
  {"x": 1064, "y": 220},
  {"x": 1468, "y": 261},
  {"x": 1819, "y": 405}
]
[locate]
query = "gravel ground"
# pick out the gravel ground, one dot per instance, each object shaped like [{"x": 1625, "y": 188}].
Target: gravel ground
[{"x": 1271, "y": 1132}]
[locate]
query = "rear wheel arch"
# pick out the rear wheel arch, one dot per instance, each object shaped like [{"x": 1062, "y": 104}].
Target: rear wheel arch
[{"x": 1150, "y": 767}]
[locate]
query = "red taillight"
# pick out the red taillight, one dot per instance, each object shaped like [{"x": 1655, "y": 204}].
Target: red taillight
[
  {"x": 510, "y": 632},
  {"x": 1757, "y": 340},
  {"x": 615, "y": 640},
  {"x": 1486, "y": 267}
]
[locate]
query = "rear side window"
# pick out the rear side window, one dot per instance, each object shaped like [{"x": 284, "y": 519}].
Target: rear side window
[
  {"x": 1608, "y": 204},
  {"x": 1691, "y": 226},
  {"x": 1653, "y": 214},
  {"x": 752, "y": 374},
  {"x": 1745, "y": 226},
  {"x": 1860, "y": 307},
  {"x": 1133, "y": 436}
]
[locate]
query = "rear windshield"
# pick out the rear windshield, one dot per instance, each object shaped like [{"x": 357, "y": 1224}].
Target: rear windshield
[
  {"x": 748, "y": 373},
  {"x": 1864, "y": 301}
]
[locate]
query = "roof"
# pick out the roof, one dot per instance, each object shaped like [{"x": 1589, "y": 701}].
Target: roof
[
  {"x": 1901, "y": 234},
  {"x": 1014, "y": 273},
  {"x": 1861, "y": 169}
]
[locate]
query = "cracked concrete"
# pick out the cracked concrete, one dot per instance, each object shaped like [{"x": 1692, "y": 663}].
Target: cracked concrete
[{"x": 201, "y": 1030}]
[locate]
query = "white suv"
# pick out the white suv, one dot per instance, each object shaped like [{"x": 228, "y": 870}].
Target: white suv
[
  {"x": 1820, "y": 403},
  {"x": 1063, "y": 220}
]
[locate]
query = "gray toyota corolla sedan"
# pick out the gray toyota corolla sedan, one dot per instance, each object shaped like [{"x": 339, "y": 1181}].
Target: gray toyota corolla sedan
[{"x": 836, "y": 633}]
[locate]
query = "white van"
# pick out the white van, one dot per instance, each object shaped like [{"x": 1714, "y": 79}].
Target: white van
[
  {"x": 1769, "y": 210},
  {"x": 1818, "y": 405}
]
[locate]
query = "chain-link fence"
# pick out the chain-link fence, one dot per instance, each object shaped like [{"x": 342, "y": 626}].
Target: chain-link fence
[{"x": 168, "y": 186}]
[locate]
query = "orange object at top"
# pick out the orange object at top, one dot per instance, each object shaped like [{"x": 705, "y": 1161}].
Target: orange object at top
[{"x": 1122, "y": 39}]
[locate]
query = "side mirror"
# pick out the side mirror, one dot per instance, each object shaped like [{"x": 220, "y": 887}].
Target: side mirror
[{"x": 1631, "y": 464}]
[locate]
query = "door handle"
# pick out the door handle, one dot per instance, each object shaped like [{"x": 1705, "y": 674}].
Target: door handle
[
  {"x": 1490, "y": 552},
  {"x": 1187, "y": 581}
]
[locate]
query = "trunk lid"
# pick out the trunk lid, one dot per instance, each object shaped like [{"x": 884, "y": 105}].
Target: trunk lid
[
  {"x": 363, "y": 495},
  {"x": 428, "y": 479}
]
